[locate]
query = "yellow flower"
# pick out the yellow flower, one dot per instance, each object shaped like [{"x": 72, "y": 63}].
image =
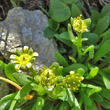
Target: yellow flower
[
  {"x": 73, "y": 80},
  {"x": 79, "y": 25},
  {"x": 23, "y": 58}
]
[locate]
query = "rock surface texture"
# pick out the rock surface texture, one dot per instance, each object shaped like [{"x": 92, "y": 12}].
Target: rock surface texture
[{"x": 24, "y": 27}]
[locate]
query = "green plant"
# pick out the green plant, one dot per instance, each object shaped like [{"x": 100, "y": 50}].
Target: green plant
[
  {"x": 16, "y": 3},
  {"x": 49, "y": 84},
  {"x": 60, "y": 12},
  {"x": 81, "y": 80},
  {"x": 93, "y": 55}
]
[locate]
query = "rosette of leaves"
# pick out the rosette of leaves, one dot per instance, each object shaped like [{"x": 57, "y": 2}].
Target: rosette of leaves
[{"x": 95, "y": 59}]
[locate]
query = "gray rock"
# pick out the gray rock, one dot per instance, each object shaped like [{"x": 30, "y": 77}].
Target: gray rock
[
  {"x": 4, "y": 89},
  {"x": 24, "y": 27}
]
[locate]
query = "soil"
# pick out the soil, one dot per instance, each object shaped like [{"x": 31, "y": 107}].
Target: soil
[{"x": 5, "y": 6}]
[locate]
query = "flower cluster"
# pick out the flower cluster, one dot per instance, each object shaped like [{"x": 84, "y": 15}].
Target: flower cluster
[
  {"x": 73, "y": 80},
  {"x": 48, "y": 79},
  {"x": 79, "y": 25},
  {"x": 23, "y": 59}
]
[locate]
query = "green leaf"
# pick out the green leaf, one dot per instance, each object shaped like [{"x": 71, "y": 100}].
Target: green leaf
[
  {"x": 14, "y": 101},
  {"x": 104, "y": 63},
  {"x": 106, "y": 10},
  {"x": 9, "y": 70},
  {"x": 2, "y": 65},
  {"x": 91, "y": 89},
  {"x": 105, "y": 93},
  {"x": 6, "y": 101},
  {"x": 72, "y": 99},
  {"x": 20, "y": 103},
  {"x": 25, "y": 90},
  {"x": 20, "y": 94},
  {"x": 58, "y": 93},
  {"x": 51, "y": 107},
  {"x": 74, "y": 67},
  {"x": 92, "y": 73},
  {"x": 64, "y": 35},
  {"x": 38, "y": 104},
  {"x": 39, "y": 88},
  {"x": 102, "y": 51},
  {"x": 53, "y": 24},
  {"x": 26, "y": 106},
  {"x": 64, "y": 106},
  {"x": 89, "y": 49},
  {"x": 49, "y": 33},
  {"x": 95, "y": 16},
  {"x": 80, "y": 5},
  {"x": 86, "y": 99},
  {"x": 69, "y": 1},
  {"x": 105, "y": 103},
  {"x": 105, "y": 80},
  {"x": 72, "y": 59},
  {"x": 71, "y": 35},
  {"x": 81, "y": 71},
  {"x": 59, "y": 11},
  {"x": 87, "y": 21},
  {"x": 93, "y": 107},
  {"x": 62, "y": 95},
  {"x": 21, "y": 78},
  {"x": 54, "y": 64},
  {"x": 92, "y": 38},
  {"x": 75, "y": 11},
  {"x": 61, "y": 59},
  {"x": 75, "y": 108},
  {"x": 64, "y": 38},
  {"x": 58, "y": 69},
  {"x": 97, "y": 97},
  {"x": 106, "y": 70},
  {"x": 102, "y": 25},
  {"x": 105, "y": 36},
  {"x": 13, "y": 3}
]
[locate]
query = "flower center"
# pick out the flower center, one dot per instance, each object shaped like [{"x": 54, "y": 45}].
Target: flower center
[{"x": 24, "y": 59}]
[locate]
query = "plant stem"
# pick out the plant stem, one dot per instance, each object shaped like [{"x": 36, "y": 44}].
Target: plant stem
[
  {"x": 33, "y": 71},
  {"x": 11, "y": 82},
  {"x": 98, "y": 105},
  {"x": 28, "y": 96},
  {"x": 79, "y": 47}
]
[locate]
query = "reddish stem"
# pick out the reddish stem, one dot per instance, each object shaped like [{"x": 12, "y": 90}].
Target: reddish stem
[{"x": 98, "y": 105}]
